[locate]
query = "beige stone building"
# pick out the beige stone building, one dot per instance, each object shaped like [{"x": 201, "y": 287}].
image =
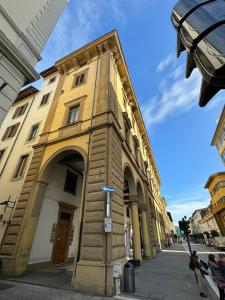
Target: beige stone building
[
  {"x": 216, "y": 187},
  {"x": 93, "y": 137},
  {"x": 219, "y": 136},
  {"x": 208, "y": 221}
]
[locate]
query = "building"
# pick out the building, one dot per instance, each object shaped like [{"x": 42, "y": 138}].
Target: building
[
  {"x": 208, "y": 222},
  {"x": 216, "y": 187},
  {"x": 195, "y": 220},
  {"x": 219, "y": 136},
  {"x": 19, "y": 132},
  {"x": 22, "y": 37},
  {"x": 93, "y": 137}
]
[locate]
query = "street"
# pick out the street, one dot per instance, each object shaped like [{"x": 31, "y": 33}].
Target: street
[{"x": 165, "y": 277}]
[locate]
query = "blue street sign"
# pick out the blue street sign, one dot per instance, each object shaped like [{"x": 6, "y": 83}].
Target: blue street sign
[{"x": 108, "y": 189}]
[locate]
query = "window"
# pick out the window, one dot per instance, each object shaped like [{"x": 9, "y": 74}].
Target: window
[
  {"x": 21, "y": 166},
  {"x": 20, "y": 111},
  {"x": 127, "y": 133},
  {"x": 44, "y": 99},
  {"x": 73, "y": 114},
  {"x": 51, "y": 80},
  {"x": 80, "y": 79},
  {"x": 1, "y": 153},
  {"x": 71, "y": 182},
  {"x": 33, "y": 132},
  {"x": 10, "y": 131}
]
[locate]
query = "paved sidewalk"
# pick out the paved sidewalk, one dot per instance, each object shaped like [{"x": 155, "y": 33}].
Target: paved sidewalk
[{"x": 165, "y": 277}]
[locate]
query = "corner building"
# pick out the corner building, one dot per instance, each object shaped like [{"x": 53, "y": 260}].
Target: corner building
[{"x": 94, "y": 136}]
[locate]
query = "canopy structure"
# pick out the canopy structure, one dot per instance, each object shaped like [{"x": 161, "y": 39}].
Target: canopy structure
[{"x": 200, "y": 26}]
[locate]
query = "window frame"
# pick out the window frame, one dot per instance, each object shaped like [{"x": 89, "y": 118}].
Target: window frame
[
  {"x": 78, "y": 76},
  {"x": 21, "y": 167},
  {"x": 75, "y": 108},
  {"x": 52, "y": 79},
  {"x": 2, "y": 151},
  {"x": 65, "y": 189},
  {"x": 29, "y": 139},
  {"x": 19, "y": 111},
  {"x": 46, "y": 101},
  {"x": 10, "y": 131}
]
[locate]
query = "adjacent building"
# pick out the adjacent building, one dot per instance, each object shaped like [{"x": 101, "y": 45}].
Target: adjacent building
[
  {"x": 216, "y": 187},
  {"x": 22, "y": 37},
  {"x": 208, "y": 222},
  {"x": 219, "y": 136},
  {"x": 82, "y": 132}
]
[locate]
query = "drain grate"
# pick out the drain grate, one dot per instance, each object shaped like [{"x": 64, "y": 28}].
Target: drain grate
[{"x": 5, "y": 286}]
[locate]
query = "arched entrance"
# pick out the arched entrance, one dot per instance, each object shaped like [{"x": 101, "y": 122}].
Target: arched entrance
[{"x": 56, "y": 240}]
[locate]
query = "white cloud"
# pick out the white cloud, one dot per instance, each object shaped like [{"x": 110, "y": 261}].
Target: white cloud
[
  {"x": 176, "y": 94},
  {"x": 164, "y": 63},
  {"x": 185, "y": 205}
]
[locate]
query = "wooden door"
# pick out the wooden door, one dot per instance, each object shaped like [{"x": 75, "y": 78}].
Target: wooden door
[{"x": 62, "y": 238}]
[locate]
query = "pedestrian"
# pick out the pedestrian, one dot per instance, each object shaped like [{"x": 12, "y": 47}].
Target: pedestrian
[
  {"x": 198, "y": 275},
  {"x": 221, "y": 263},
  {"x": 217, "y": 275}
]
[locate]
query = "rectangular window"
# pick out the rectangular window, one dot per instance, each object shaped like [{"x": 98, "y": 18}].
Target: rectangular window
[
  {"x": 71, "y": 182},
  {"x": 10, "y": 131},
  {"x": 51, "y": 80},
  {"x": 33, "y": 132},
  {"x": 21, "y": 166},
  {"x": 80, "y": 79},
  {"x": 1, "y": 153},
  {"x": 20, "y": 111},
  {"x": 73, "y": 114},
  {"x": 45, "y": 99}
]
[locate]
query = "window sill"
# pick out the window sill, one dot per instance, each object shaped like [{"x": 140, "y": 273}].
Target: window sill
[
  {"x": 78, "y": 85},
  {"x": 17, "y": 178}
]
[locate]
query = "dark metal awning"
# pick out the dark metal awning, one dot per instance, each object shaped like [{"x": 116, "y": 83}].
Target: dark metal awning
[{"x": 200, "y": 27}]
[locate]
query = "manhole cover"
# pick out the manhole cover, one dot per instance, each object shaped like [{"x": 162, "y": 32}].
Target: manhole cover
[{"x": 4, "y": 286}]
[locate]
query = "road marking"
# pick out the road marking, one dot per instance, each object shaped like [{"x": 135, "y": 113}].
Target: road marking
[
  {"x": 176, "y": 251},
  {"x": 123, "y": 297}
]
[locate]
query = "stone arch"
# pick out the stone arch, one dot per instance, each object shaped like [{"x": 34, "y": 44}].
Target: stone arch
[
  {"x": 140, "y": 192},
  {"x": 59, "y": 200},
  {"x": 129, "y": 181},
  {"x": 60, "y": 154}
]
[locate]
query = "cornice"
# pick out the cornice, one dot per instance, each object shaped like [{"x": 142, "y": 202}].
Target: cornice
[
  {"x": 16, "y": 58},
  {"x": 19, "y": 32},
  {"x": 219, "y": 126}
]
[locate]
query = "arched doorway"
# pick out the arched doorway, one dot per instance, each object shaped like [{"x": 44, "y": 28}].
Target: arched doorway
[
  {"x": 140, "y": 198},
  {"x": 56, "y": 240},
  {"x": 129, "y": 193}
]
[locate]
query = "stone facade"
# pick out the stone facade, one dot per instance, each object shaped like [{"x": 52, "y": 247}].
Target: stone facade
[
  {"x": 219, "y": 136},
  {"x": 216, "y": 187},
  {"x": 95, "y": 130}
]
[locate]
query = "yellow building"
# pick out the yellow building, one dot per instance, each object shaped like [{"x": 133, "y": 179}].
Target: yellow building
[
  {"x": 219, "y": 136},
  {"x": 94, "y": 137},
  {"x": 216, "y": 186}
]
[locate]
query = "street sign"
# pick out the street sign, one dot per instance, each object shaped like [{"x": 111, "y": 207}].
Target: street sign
[
  {"x": 108, "y": 225},
  {"x": 108, "y": 189}
]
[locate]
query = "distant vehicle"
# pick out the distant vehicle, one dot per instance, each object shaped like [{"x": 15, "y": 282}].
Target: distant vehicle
[{"x": 219, "y": 242}]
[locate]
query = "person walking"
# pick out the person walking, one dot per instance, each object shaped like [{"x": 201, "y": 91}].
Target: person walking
[
  {"x": 198, "y": 275},
  {"x": 217, "y": 275}
]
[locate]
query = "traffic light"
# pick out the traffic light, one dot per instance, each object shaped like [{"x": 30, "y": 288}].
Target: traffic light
[
  {"x": 200, "y": 26},
  {"x": 184, "y": 227}
]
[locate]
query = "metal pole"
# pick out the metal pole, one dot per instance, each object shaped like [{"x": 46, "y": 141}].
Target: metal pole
[{"x": 189, "y": 245}]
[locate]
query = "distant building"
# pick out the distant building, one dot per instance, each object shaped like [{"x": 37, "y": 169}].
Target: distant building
[
  {"x": 20, "y": 130},
  {"x": 216, "y": 187},
  {"x": 219, "y": 136},
  {"x": 208, "y": 222},
  {"x": 25, "y": 28},
  {"x": 195, "y": 220}
]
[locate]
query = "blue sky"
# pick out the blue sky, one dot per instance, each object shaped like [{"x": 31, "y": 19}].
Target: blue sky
[{"x": 180, "y": 131}]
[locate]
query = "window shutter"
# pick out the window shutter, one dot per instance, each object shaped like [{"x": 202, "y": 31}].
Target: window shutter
[
  {"x": 5, "y": 134},
  {"x": 16, "y": 112},
  {"x": 14, "y": 130},
  {"x": 24, "y": 107}
]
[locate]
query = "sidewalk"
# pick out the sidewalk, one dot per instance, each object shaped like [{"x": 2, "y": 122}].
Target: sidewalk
[{"x": 167, "y": 277}]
